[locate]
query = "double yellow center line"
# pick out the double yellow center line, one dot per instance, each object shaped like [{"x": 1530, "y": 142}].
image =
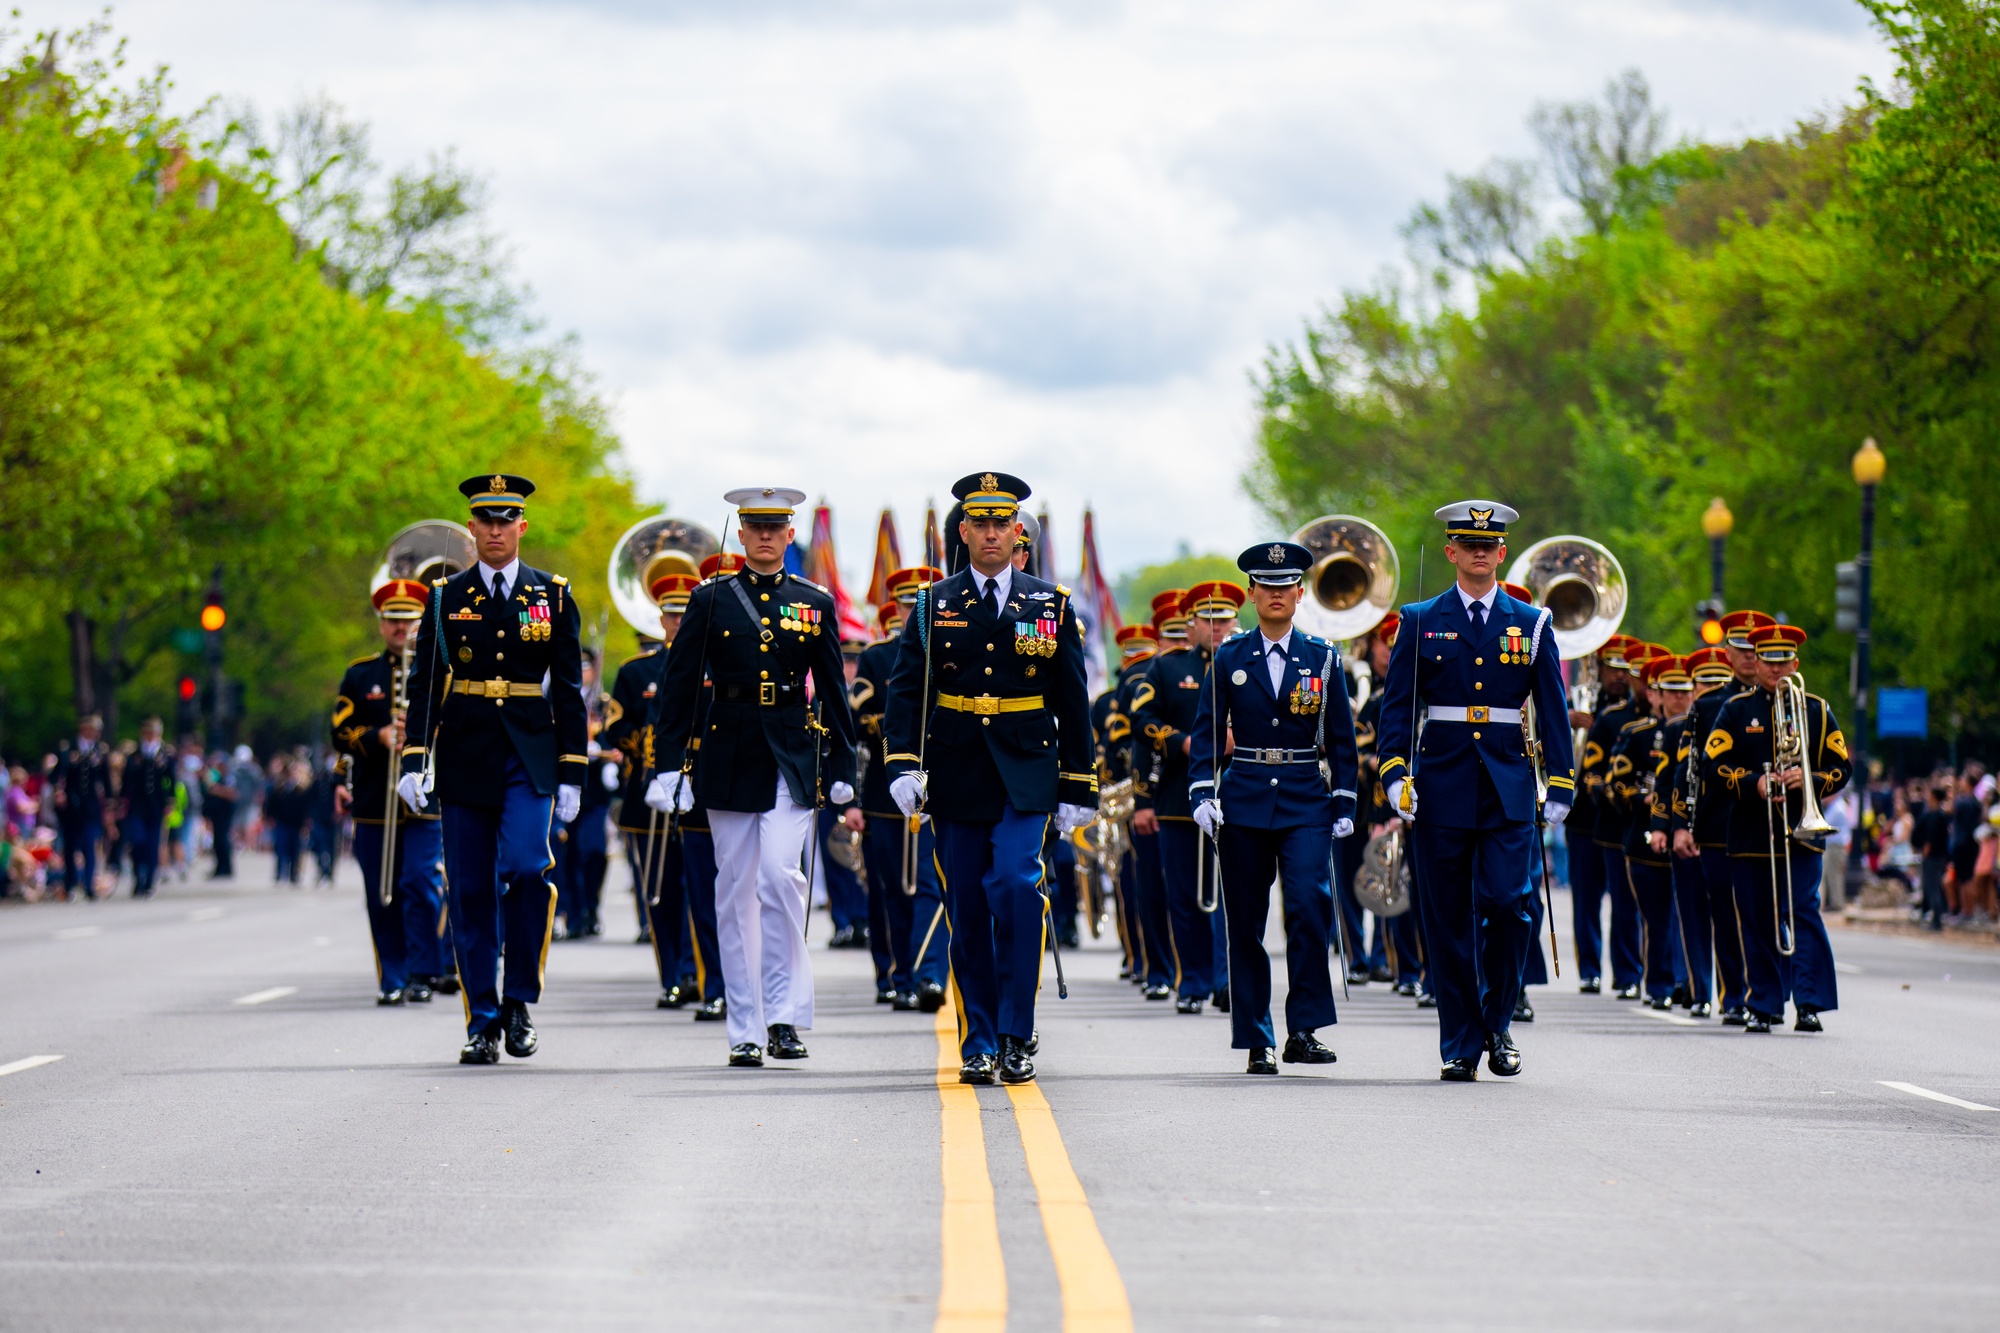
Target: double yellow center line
[{"x": 972, "y": 1296}]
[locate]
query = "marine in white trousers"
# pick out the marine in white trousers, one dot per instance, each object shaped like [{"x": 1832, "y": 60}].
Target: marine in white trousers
[{"x": 760, "y": 916}]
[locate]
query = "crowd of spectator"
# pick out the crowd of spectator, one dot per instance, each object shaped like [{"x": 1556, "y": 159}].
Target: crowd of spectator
[
  {"x": 1933, "y": 839},
  {"x": 95, "y": 817}
]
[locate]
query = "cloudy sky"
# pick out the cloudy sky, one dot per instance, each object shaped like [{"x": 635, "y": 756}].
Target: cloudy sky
[{"x": 865, "y": 246}]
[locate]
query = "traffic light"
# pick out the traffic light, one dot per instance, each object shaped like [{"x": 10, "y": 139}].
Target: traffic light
[
  {"x": 1847, "y": 597},
  {"x": 187, "y": 712},
  {"x": 1708, "y": 622},
  {"x": 213, "y": 617},
  {"x": 187, "y": 689}
]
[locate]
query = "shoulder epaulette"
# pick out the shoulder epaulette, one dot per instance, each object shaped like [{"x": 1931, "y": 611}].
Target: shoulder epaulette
[
  {"x": 440, "y": 582},
  {"x": 559, "y": 580},
  {"x": 639, "y": 657},
  {"x": 800, "y": 578},
  {"x": 1063, "y": 590},
  {"x": 1636, "y": 724},
  {"x": 365, "y": 657}
]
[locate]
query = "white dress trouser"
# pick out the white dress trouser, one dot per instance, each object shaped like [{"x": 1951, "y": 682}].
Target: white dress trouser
[{"x": 760, "y": 917}]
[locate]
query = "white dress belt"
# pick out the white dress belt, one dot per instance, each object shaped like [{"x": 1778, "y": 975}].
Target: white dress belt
[{"x": 1477, "y": 713}]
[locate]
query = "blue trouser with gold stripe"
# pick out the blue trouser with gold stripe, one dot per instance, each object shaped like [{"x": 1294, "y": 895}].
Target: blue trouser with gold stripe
[
  {"x": 898, "y": 922},
  {"x": 993, "y": 886},
  {"x": 1694, "y": 927},
  {"x": 1806, "y": 975},
  {"x": 1151, "y": 888},
  {"x": 1653, "y": 885},
  {"x": 502, "y": 906},
  {"x": 408, "y": 931},
  {"x": 1190, "y": 930},
  {"x": 1730, "y": 985}
]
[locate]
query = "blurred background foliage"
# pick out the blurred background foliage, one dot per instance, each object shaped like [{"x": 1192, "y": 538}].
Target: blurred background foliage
[
  {"x": 227, "y": 346},
  {"x": 1699, "y": 320}
]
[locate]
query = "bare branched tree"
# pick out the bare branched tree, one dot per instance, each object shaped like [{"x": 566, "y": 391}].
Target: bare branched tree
[{"x": 1589, "y": 144}]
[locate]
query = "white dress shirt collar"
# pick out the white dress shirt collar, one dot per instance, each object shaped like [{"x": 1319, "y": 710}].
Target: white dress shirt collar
[
  {"x": 512, "y": 573},
  {"x": 1003, "y": 583},
  {"x": 1485, "y": 602}
]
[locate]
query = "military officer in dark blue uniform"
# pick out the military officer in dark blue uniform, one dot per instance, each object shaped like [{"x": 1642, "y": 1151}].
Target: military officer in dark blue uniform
[
  {"x": 1147, "y": 885},
  {"x": 1465, "y": 662},
  {"x": 989, "y": 733},
  {"x": 763, "y": 759},
  {"x": 1786, "y": 951},
  {"x": 667, "y": 865},
  {"x": 1112, "y": 729},
  {"x": 1705, "y": 669},
  {"x": 1165, "y": 706},
  {"x": 1642, "y": 778},
  {"x": 1397, "y": 945},
  {"x": 82, "y": 785},
  {"x": 909, "y": 925},
  {"x": 504, "y": 754},
  {"x": 146, "y": 791},
  {"x": 1603, "y": 854},
  {"x": 407, "y": 930},
  {"x": 1279, "y": 697}
]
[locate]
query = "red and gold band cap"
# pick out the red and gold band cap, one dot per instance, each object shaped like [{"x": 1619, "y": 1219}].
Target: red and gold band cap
[
  {"x": 401, "y": 599},
  {"x": 1216, "y": 599},
  {"x": 1777, "y": 643},
  {"x": 1668, "y": 672},
  {"x": 1709, "y": 666},
  {"x": 905, "y": 584},
  {"x": 723, "y": 563},
  {"x": 1738, "y": 626},
  {"x": 1386, "y": 631},
  {"x": 671, "y": 591}
]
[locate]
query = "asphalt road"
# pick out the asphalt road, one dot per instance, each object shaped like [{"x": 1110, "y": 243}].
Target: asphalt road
[{"x": 195, "y": 1160}]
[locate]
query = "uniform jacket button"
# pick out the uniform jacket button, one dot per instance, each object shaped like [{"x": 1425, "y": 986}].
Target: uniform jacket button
[{"x": 1274, "y": 782}]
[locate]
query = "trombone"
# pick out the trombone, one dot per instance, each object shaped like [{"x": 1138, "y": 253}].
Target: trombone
[{"x": 1789, "y": 736}]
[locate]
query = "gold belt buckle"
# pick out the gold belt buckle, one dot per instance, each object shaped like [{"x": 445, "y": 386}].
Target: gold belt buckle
[
  {"x": 985, "y": 705},
  {"x": 767, "y": 692},
  {"x": 1477, "y": 713}
]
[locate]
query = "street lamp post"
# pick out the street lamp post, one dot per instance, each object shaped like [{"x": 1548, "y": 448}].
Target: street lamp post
[
  {"x": 1869, "y": 465},
  {"x": 1716, "y": 522}
]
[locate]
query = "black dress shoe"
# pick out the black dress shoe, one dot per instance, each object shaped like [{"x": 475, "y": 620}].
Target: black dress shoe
[
  {"x": 1754, "y": 1022},
  {"x": 885, "y": 995},
  {"x": 1661, "y": 1002},
  {"x": 1035, "y": 1042},
  {"x": 980, "y": 1069},
  {"x": 1683, "y": 997},
  {"x": 1380, "y": 974},
  {"x": 1523, "y": 1011},
  {"x": 1159, "y": 992},
  {"x": 1357, "y": 976},
  {"x": 930, "y": 997},
  {"x": 1807, "y": 1021},
  {"x": 842, "y": 938},
  {"x": 1426, "y": 1000},
  {"x": 1263, "y": 1060},
  {"x": 1702, "y": 1010},
  {"x": 1406, "y": 989},
  {"x": 483, "y": 1049},
  {"x": 445, "y": 985},
  {"x": 1625, "y": 993},
  {"x": 559, "y": 931},
  {"x": 1504, "y": 1058},
  {"x": 417, "y": 992},
  {"x": 784, "y": 1043},
  {"x": 521, "y": 1038},
  {"x": 1590, "y": 986},
  {"x": 645, "y": 935},
  {"x": 1459, "y": 1071},
  {"x": 711, "y": 1011},
  {"x": 1015, "y": 1066},
  {"x": 745, "y": 1055},
  {"x": 904, "y": 1002},
  {"x": 1221, "y": 1001},
  {"x": 1188, "y": 1004},
  {"x": 394, "y": 995},
  {"x": 673, "y": 997},
  {"x": 1733, "y": 1018},
  {"x": 1303, "y": 1048}
]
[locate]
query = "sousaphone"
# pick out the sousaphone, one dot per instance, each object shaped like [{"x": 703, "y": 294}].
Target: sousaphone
[
  {"x": 1350, "y": 587},
  {"x": 1583, "y": 586},
  {"x": 650, "y": 548},
  {"x": 433, "y": 549}
]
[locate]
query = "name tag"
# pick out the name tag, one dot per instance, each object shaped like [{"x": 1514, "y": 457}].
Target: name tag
[{"x": 464, "y": 615}]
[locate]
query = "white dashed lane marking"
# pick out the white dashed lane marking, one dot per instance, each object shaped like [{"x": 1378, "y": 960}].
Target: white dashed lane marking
[
  {"x": 31, "y": 1062},
  {"x": 266, "y": 996},
  {"x": 1916, "y": 1091}
]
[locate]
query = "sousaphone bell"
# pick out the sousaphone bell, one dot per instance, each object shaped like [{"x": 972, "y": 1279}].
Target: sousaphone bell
[
  {"x": 1350, "y": 587},
  {"x": 650, "y": 548}
]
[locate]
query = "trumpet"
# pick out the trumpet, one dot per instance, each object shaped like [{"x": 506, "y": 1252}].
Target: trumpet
[{"x": 1789, "y": 743}]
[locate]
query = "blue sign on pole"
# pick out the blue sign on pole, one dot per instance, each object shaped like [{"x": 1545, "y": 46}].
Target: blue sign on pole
[{"x": 1902, "y": 713}]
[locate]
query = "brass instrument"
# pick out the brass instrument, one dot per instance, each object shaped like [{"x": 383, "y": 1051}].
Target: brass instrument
[
  {"x": 1101, "y": 848},
  {"x": 1583, "y": 586},
  {"x": 1352, "y": 582},
  {"x": 432, "y": 549},
  {"x": 652, "y": 547},
  {"x": 1382, "y": 884},
  {"x": 1789, "y": 742}
]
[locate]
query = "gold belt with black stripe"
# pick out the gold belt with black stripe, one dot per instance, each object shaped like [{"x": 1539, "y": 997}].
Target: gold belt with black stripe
[
  {"x": 986, "y": 704},
  {"x": 498, "y": 689}
]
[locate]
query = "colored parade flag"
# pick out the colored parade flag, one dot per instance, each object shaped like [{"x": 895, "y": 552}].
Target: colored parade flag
[
  {"x": 1097, "y": 609},
  {"x": 933, "y": 539},
  {"x": 823, "y": 569},
  {"x": 888, "y": 559}
]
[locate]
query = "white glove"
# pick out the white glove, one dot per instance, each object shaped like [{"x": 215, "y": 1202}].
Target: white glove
[
  {"x": 411, "y": 788},
  {"x": 1209, "y": 815},
  {"x": 907, "y": 791},
  {"x": 1072, "y": 817},
  {"x": 1395, "y": 794},
  {"x": 569, "y": 800},
  {"x": 1342, "y": 827},
  {"x": 1555, "y": 812},
  {"x": 840, "y": 793},
  {"x": 610, "y": 774},
  {"x": 670, "y": 791}
]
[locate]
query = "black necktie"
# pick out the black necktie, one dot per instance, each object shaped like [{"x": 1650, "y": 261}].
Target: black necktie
[
  {"x": 499, "y": 587},
  {"x": 992, "y": 598},
  {"x": 1478, "y": 612}
]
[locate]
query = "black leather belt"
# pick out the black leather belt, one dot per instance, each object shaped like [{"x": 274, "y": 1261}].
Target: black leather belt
[{"x": 769, "y": 693}]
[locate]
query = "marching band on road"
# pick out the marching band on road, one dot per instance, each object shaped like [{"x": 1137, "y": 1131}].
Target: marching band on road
[{"x": 1395, "y": 773}]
